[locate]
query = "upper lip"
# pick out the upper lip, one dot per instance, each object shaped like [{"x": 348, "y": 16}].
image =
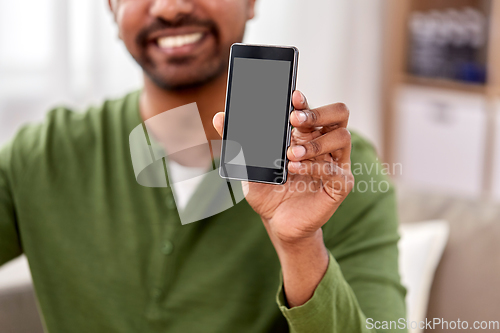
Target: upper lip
[{"x": 176, "y": 32}]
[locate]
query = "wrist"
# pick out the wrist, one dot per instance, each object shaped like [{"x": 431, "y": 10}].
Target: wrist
[
  {"x": 290, "y": 238},
  {"x": 293, "y": 244},
  {"x": 303, "y": 265},
  {"x": 294, "y": 250}
]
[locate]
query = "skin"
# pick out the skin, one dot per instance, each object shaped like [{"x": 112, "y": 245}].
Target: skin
[{"x": 321, "y": 145}]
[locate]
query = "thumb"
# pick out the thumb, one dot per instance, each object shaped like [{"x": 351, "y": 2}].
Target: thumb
[{"x": 218, "y": 122}]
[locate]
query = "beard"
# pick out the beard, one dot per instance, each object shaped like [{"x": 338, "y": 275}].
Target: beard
[
  {"x": 183, "y": 72},
  {"x": 191, "y": 77}
]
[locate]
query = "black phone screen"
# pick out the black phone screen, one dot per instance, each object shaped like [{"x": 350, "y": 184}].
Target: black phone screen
[{"x": 258, "y": 107}]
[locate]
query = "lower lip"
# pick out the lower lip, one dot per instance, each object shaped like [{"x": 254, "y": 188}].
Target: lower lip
[{"x": 184, "y": 50}]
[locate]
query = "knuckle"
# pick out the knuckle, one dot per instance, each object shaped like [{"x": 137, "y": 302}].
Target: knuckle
[
  {"x": 343, "y": 109},
  {"x": 314, "y": 147},
  {"x": 329, "y": 169},
  {"x": 314, "y": 117},
  {"x": 344, "y": 136}
]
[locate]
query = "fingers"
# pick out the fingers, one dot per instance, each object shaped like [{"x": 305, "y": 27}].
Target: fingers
[
  {"x": 299, "y": 138},
  {"x": 316, "y": 169},
  {"x": 321, "y": 145},
  {"x": 299, "y": 100},
  {"x": 337, "y": 143},
  {"x": 329, "y": 117},
  {"x": 299, "y": 103},
  {"x": 330, "y": 174},
  {"x": 218, "y": 122}
]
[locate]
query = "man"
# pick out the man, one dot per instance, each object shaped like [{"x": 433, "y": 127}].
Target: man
[{"x": 109, "y": 255}]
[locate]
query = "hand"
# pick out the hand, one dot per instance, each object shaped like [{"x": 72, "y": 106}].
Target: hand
[{"x": 320, "y": 176}]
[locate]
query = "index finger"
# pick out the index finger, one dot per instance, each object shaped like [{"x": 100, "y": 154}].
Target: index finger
[{"x": 330, "y": 116}]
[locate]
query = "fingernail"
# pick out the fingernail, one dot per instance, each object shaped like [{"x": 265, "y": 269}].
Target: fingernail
[
  {"x": 301, "y": 116},
  {"x": 302, "y": 98},
  {"x": 294, "y": 165},
  {"x": 298, "y": 151}
]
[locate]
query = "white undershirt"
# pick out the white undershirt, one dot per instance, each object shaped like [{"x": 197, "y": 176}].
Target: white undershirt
[{"x": 184, "y": 181}]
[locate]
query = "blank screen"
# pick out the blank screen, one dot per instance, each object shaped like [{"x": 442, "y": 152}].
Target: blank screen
[{"x": 258, "y": 106}]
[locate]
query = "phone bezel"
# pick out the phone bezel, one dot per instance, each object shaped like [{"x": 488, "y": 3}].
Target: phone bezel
[{"x": 279, "y": 175}]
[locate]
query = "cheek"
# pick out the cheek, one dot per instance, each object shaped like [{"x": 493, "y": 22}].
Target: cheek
[
  {"x": 230, "y": 16},
  {"x": 131, "y": 17}
]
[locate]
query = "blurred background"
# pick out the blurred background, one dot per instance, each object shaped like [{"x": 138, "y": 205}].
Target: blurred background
[{"x": 422, "y": 80}]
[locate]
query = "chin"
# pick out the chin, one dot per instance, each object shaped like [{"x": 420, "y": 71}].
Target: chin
[{"x": 183, "y": 80}]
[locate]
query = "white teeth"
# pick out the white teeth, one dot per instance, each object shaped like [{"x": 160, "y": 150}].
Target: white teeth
[{"x": 178, "y": 41}]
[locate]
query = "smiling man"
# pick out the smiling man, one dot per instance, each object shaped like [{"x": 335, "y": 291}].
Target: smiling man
[{"x": 108, "y": 255}]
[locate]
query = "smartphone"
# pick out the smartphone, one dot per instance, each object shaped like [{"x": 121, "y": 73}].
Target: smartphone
[{"x": 257, "y": 126}]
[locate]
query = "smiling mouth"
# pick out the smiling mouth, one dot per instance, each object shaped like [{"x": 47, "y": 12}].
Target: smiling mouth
[{"x": 172, "y": 42}]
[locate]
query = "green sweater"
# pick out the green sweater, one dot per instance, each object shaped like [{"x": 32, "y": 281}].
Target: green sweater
[{"x": 109, "y": 255}]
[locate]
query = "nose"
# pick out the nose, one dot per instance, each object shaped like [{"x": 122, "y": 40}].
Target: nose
[{"x": 171, "y": 10}]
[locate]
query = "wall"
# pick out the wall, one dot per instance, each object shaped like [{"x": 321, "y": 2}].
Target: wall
[
  {"x": 77, "y": 58},
  {"x": 340, "y": 51}
]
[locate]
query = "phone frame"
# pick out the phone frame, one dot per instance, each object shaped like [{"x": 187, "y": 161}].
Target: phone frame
[{"x": 279, "y": 175}]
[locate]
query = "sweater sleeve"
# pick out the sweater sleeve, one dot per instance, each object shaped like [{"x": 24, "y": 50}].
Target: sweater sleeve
[
  {"x": 10, "y": 244},
  {"x": 332, "y": 308}
]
